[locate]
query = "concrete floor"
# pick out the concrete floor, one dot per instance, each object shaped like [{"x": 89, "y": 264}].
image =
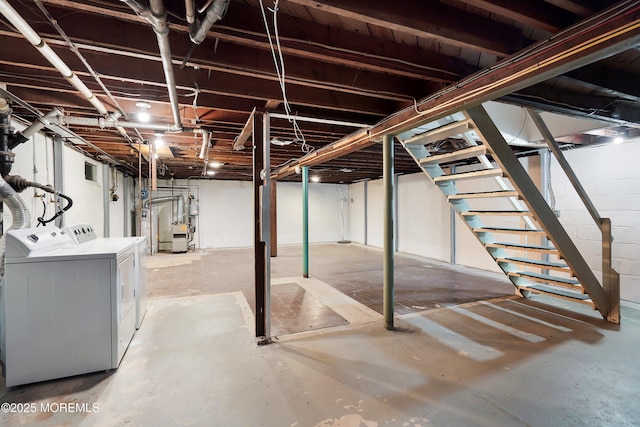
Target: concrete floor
[{"x": 466, "y": 352}]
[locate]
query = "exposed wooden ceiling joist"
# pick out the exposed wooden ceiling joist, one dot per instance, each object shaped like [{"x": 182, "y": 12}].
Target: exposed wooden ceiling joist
[{"x": 581, "y": 44}]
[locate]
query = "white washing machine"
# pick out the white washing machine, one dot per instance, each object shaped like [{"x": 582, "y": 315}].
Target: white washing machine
[
  {"x": 70, "y": 307},
  {"x": 84, "y": 233}
]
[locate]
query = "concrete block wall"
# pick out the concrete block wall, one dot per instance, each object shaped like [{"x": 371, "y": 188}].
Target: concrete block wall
[{"x": 611, "y": 177}]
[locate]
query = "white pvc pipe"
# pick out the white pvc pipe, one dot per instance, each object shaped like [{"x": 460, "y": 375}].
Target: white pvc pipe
[
  {"x": 317, "y": 120},
  {"x": 30, "y": 34}
]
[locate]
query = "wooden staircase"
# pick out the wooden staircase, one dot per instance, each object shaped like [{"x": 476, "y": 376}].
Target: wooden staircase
[{"x": 513, "y": 222}]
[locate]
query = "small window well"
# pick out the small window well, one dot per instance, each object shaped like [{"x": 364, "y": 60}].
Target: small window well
[{"x": 90, "y": 172}]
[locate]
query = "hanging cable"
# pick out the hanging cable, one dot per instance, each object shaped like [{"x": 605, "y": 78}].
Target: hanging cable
[{"x": 278, "y": 62}]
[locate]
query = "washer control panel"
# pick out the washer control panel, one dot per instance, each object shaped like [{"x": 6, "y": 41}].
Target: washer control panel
[
  {"x": 81, "y": 233},
  {"x": 26, "y": 242}
]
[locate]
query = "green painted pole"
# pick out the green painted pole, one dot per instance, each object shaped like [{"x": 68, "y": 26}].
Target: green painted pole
[
  {"x": 305, "y": 221},
  {"x": 387, "y": 167}
]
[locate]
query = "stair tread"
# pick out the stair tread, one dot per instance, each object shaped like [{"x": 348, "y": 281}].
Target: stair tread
[
  {"x": 484, "y": 173},
  {"x": 547, "y": 277},
  {"x": 453, "y": 156},
  {"x": 440, "y": 133},
  {"x": 497, "y": 213},
  {"x": 537, "y": 262},
  {"x": 522, "y": 246},
  {"x": 520, "y": 230},
  {"x": 484, "y": 194},
  {"x": 557, "y": 291}
]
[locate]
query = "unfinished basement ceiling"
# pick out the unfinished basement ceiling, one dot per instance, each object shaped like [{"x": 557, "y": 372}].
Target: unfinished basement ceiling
[{"x": 344, "y": 61}]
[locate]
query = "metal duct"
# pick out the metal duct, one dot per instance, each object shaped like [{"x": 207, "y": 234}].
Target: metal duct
[
  {"x": 214, "y": 13},
  {"x": 190, "y": 11},
  {"x": 204, "y": 150},
  {"x": 157, "y": 17},
  {"x": 178, "y": 198}
]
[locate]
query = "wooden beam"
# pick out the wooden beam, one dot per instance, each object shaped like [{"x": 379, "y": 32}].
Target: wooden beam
[
  {"x": 428, "y": 20},
  {"x": 534, "y": 13},
  {"x": 580, "y": 45},
  {"x": 238, "y": 144},
  {"x": 304, "y": 39}
]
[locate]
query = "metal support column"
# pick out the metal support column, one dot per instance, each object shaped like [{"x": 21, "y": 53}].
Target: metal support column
[
  {"x": 396, "y": 223},
  {"x": 258, "y": 244},
  {"x": 452, "y": 227},
  {"x": 366, "y": 213},
  {"x": 105, "y": 200},
  {"x": 305, "y": 221},
  {"x": 388, "y": 230},
  {"x": 610, "y": 277},
  {"x": 545, "y": 182},
  {"x": 266, "y": 224},
  {"x": 274, "y": 218},
  {"x": 58, "y": 176}
]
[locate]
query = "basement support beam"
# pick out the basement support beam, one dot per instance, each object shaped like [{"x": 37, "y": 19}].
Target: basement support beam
[
  {"x": 274, "y": 218},
  {"x": 579, "y": 45},
  {"x": 305, "y": 222},
  {"x": 388, "y": 180},
  {"x": 266, "y": 223},
  {"x": 258, "y": 243},
  {"x": 58, "y": 174}
]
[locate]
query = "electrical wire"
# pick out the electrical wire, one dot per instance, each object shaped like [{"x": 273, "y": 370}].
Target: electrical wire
[{"x": 278, "y": 61}]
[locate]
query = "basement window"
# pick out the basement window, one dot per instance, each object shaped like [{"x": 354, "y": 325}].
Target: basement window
[{"x": 90, "y": 172}]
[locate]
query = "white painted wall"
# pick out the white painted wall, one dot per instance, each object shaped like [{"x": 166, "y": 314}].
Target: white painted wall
[
  {"x": 423, "y": 218},
  {"x": 611, "y": 177},
  {"x": 328, "y": 208},
  {"x": 375, "y": 213},
  {"x": 86, "y": 195},
  {"x": 357, "y": 213},
  {"x": 226, "y": 213}
]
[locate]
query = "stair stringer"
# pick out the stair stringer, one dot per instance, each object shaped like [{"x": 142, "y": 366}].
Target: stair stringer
[{"x": 520, "y": 179}]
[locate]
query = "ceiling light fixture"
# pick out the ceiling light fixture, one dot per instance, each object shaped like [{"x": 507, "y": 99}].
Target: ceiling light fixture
[
  {"x": 618, "y": 140},
  {"x": 158, "y": 142},
  {"x": 216, "y": 165},
  {"x": 315, "y": 178},
  {"x": 143, "y": 114},
  {"x": 276, "y": 141},
  {"x": 211, "y": 173}
]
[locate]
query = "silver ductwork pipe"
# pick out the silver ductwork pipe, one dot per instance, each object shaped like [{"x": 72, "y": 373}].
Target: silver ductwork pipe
[
  {"x": 190, "y": 11},
  {"x": 204, "y": 150},
  {"x": 178, "y": 198},
  {"x": 213, "y": 14},
  {"x": 157, "y": 17}
]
